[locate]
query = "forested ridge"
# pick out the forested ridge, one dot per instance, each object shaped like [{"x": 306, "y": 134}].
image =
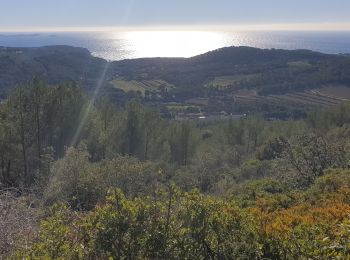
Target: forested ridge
[
  {"x": 280, "y": 84},
  {"x": 266, "y": 70},
  {"x": 83, "y": 177},
  {"x": 53, "y": 63}
]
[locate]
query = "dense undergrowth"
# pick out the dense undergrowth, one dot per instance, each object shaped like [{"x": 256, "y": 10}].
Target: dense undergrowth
[{"x": 86, "y": 179}]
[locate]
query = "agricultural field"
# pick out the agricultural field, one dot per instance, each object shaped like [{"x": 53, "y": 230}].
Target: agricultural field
[
  {"x": 325, "y": 97},
  {"x": 223, "y": 82},
  {"x": 299, "y": 64},
  {"x": 198, "y": 101},
  {"x": 180, "y": 107},
  {"x": 141, "y": 86},
  {"x": 307, "y": 98},
  {"x": 337, "y": 92}
]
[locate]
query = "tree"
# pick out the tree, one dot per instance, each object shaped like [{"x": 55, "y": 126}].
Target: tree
[
  {"x": 254, "y": 127},
  {"x": 150, "y": 124},
  {"x": 132, "y": 130},
  {"x": 310, "y": 154},
  {"x": 235, "y": 132},
  {"x": 7, "y": 153},
  {"x": 38, "y": 96},
  {"x": 74, "y": 180},
  {"x": 182, "y": 142},
  {"x": 22, "y": 118}
]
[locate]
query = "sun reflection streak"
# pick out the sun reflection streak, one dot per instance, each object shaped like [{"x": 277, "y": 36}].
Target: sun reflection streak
[
  {"x": 171, "y": 43},
  {"x": 89, "y": 106}
]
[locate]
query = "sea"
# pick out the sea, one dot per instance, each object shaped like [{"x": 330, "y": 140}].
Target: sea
[{"x": 119, "y": 45}]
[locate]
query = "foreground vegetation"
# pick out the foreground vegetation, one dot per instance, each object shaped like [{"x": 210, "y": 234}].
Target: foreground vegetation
[
  {"x": 86, "y": 179},
  {"x": 175, "y": 225}
]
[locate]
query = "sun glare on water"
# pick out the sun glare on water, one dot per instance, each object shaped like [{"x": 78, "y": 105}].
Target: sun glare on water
[
  {"x": 130, "y": 44},
  {"x": 170, "y": 43}
]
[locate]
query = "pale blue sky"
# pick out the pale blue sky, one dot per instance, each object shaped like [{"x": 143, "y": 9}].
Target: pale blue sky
[{"x": 96, "y": 13}]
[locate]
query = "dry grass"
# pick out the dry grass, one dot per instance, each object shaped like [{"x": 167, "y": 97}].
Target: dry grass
[{"x": 18, "y": 221}]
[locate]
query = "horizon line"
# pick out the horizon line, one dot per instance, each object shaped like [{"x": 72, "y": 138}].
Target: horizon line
[{"x": 209, "y": 27}]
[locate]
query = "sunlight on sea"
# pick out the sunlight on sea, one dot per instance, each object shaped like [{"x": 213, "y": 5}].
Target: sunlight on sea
[
  {"x": 124, "y": 44},
  {"x": 174, "y": 43},
  {"x": 139, "y": 44}
]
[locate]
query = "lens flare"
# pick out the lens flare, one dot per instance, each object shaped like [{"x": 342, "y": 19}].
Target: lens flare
[{"x": 89, "y": 106}]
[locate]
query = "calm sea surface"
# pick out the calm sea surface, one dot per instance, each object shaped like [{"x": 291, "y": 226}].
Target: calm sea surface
[{"x": 120, "y": 45}]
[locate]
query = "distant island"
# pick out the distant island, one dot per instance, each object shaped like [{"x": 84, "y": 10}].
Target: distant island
[{"x": 227, "y": 81}]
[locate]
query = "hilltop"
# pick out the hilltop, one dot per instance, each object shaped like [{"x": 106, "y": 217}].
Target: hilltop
[
  {"x": 266, "y": 70},
  {"x": 52, "y": 63}
]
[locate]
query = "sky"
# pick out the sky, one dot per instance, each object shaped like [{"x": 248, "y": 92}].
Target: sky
[{"x": 259, "y": 14}]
